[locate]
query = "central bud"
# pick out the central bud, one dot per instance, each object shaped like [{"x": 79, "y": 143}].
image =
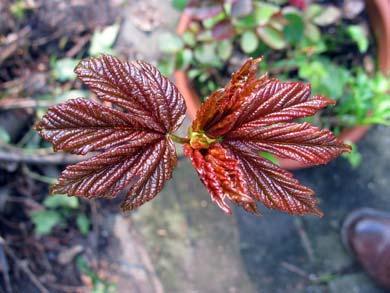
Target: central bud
[{"x": 199, "y": 139}]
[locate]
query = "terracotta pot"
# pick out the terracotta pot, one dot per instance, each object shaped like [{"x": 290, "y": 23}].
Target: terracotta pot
[{"x": 379, "y": 14}]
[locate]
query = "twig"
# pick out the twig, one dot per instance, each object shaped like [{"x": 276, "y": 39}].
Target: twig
[
  {"x": 294, "y": 269},
  {"x": 9, "y": 153},
  {"x": 95, "y": 230},
  {"x": 13, "y": 42},
  {"x": 67, "y": 288},
  {"x": 304, "y": 239},
  {"x": 50, "y": 159},
  {"x": 81, "y": 42},
  {"x": 23, "y": 266},
  {"x": 38, "y": 177},
  {"x": 14, "y": 103}
]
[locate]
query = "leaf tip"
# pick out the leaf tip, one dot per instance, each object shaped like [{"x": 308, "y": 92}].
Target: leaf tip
[
  {"x": 346, "y": 148},
  {"x": 317, "y": 212}
]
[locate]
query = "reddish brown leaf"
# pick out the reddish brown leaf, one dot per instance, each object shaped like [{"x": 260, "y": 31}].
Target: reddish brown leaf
[
  {"x": 274, "y": 187},
  {"x": 136, "y": 87},
  {"x": 81, "y": 126},
  {"x": 218, "y": 114},
  {"x": 207, "y": 112},
  {"x": 135, "y": 153},
  {"x": 142, "y": 171},
  {"x": 157, "y": 169},
  {"x": 251, "y": 115},
  {"x": 203, "y": 9},
  {"x": 280, "y": 101},
  {"x": 223, "y": 30},
  {"x": 301, "y": 142},
  {"x": 220, "y": 174}
]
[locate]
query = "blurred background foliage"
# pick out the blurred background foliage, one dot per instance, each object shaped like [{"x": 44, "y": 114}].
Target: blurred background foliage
[{"x": 331, "y": 47}]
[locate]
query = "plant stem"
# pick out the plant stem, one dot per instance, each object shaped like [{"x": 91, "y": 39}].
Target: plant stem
[{"x": 178, "y": 139}]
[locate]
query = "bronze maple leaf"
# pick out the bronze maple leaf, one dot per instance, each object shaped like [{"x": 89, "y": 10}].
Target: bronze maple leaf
[
  {"x": 134, "y": 152},
  {"x": 131, "y": 137},
  {"x": 252, "y": 115}
]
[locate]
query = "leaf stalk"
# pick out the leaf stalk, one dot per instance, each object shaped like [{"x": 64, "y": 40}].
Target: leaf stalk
[{"x": 179, "y": 139}]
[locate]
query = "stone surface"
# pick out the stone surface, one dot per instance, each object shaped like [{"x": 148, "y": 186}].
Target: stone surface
[
  {"x": 133, "y": 38},
  {"x": 193, "y": 245},
  {"x": 126, "y": 259},
  {"x": 274, "y": 238}
]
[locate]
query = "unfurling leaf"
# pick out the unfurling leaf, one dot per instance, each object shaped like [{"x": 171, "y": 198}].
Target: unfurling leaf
[
  {"x": 253, "y": 115},
  {"x": 220, "y": 174},
  {"x": 134, "y": 153}
]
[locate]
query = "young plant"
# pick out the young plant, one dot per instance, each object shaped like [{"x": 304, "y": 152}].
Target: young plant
[{"x": 131, "y": 135}]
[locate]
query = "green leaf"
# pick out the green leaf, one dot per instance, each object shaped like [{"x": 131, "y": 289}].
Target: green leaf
[
  {"x": 354, "y": 157},
  {"x": 103, "y": 40},
  {"x": 179, "y": 4},
  {"x": 246, "y": 22},
  {"x": 189, "y": 38},
  {"x": 325, "y": 77},
  {"x": 170, "y": 43},
  {"x": 358, "y": 34},
  {"x": 204, "y": 76},
  {"x": 4, "y": 136},
  {"x": 206, "y": 54},
  {"x": 61, "y": 201},
  {"x": 83, "y": 224},
  {"x": 167, "y": 65},
  {"x": 45, "y": 221},
  {"x": 270, "y": 157},
  {"x": 272, "y": 37},
  {"x": 249, "y": 42},
  {"x": 210, "y": 22},
  {"x": 293, "y": 31},
  {"x": 312, "y": 32},
  {"x": 18, "y": 9},
  {"x": 225, "y": 49},
  {"x": 205, "y": 36},
  {"x": 313, "y": 10},
  {"x": 183, "y": 59},
  {"x": 193, "y": 73},
  {"x": 211, "y": 85},
  {"x": 63, "y": 69},
  {"x": 328, "y": 15},
  {"x": 264, "y": 12}
]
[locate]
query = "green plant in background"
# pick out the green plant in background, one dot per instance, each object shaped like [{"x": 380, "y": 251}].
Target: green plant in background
[
  {"x": 58, "y": 210},
  {"x": 297, "y": 44},
  {"x": 62, "y": 71},
  {"x": 253, "y": 27},
  {"x": 101, "y": 43},
  {"x": 19, "y": 9},
  {"x": 354, "y": 157},
  {"x": 99, "y": 285}
]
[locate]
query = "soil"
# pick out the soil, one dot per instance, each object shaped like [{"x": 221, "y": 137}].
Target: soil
[{"x": 46, "y": 30}]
